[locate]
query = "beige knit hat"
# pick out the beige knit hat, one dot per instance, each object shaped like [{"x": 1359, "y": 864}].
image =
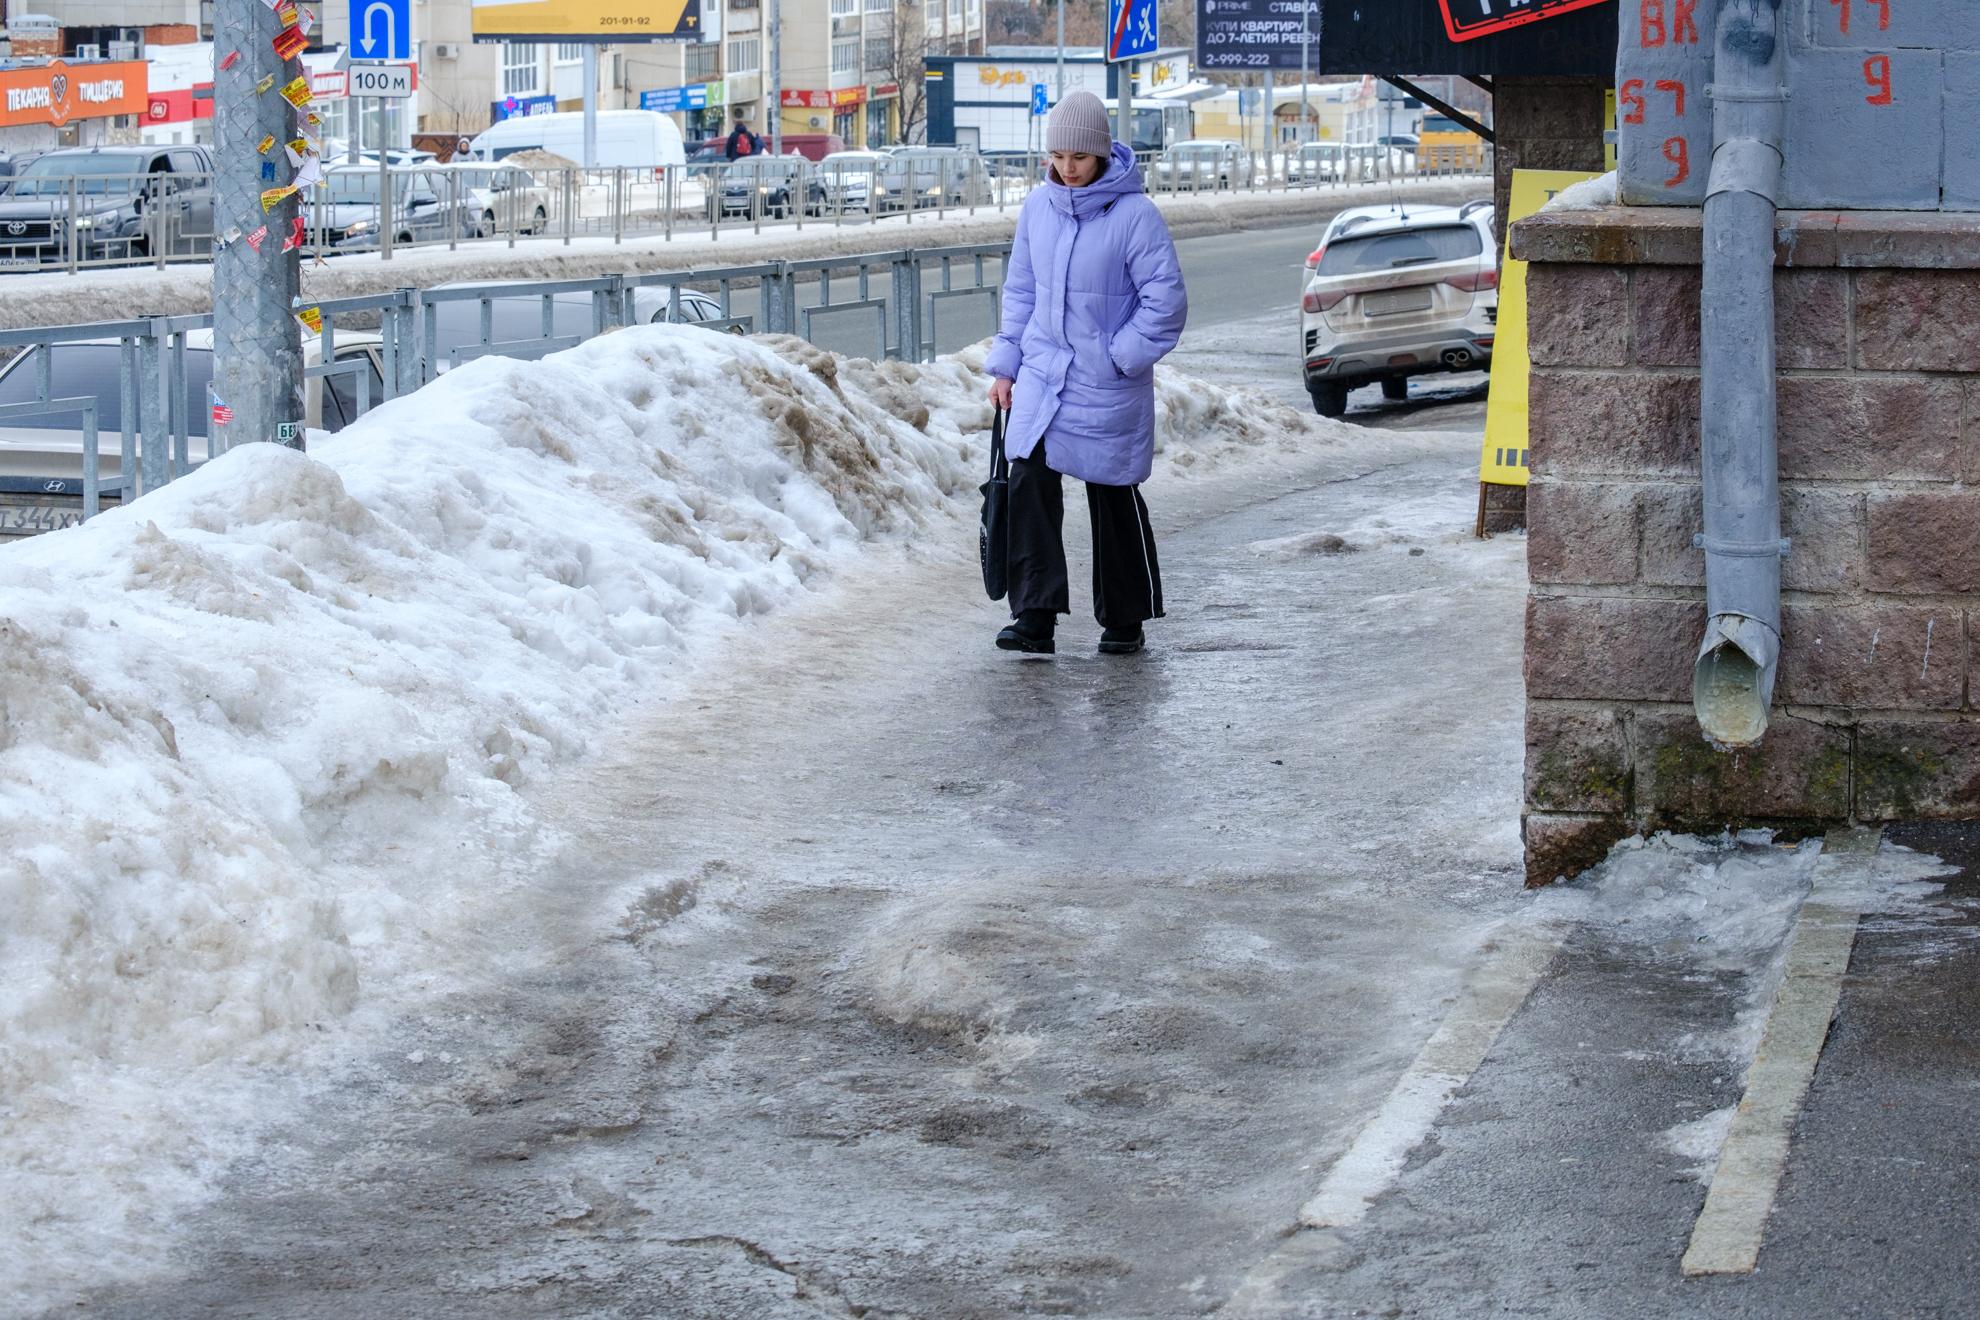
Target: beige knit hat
[{"x": 1079, "y": 124}]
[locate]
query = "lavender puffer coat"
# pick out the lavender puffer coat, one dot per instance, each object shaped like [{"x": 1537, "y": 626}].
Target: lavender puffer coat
[{"x": 1093, "y": 298}]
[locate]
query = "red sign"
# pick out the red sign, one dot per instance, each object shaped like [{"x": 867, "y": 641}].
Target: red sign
[
  {"x": 57, "y": 92},
  {"x": 1467, "y": 20},
  {"x": 795, "y": 99}
]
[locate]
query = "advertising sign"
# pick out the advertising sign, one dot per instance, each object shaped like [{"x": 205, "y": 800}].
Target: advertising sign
[
  {"x": 1258, "y": 34},
  {"x": 587, "y": 20},
  {"x": 57, "y": 93},
  {"x": 1503, "y": 462},
  {"x": 521, "y": 107},
  {"x": 669, "y": 100},
  {"x": 843, "y": 99},
  {"x": 1467, "y": 20}
]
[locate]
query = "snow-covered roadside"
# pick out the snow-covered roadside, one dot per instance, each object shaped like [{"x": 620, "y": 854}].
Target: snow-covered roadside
[
  {"x": 262, "y": 733},
  {"x": 57, "y": 298}
]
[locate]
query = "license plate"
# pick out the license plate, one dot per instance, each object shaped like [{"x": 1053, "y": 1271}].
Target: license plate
[
  {"x": 19, "y": 263},
  {"x": 1401, "y": 300},
  {"x": 33, "y": 518}
]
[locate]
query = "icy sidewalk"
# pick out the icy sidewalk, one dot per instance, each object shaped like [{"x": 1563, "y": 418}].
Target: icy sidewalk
[{"x": 264, "y": 730}]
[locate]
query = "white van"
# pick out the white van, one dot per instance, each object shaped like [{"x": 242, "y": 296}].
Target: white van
[{"x": 634, "y": 139}]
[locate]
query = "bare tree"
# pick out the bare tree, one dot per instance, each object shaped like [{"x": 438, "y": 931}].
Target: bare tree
[
  {"x": 1008, "y": 20},
  {"x": 907, "y": 66}
]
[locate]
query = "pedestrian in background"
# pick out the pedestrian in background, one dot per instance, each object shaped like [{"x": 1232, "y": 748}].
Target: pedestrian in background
[
  {"x": 742, "y": 142},
  {"x": 1093, "y": 298}
]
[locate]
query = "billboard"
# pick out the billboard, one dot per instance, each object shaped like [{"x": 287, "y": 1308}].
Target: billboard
[
  {"x": 1544, "y": 37},
  {"x": 1258, "y": 35},
  {"x": 588, "y": 20}
]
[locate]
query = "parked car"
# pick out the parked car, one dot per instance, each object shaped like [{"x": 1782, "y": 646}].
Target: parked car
[
  {"x": 41, "y": 456},
  {"x": 767, "y": 186},
  {"x": 12, "y": 164},
  {"x": 917, "y": 176},
  {"x": 434, "y": 203},
  {"x": 515, "y": 323},
  {"x": 846, "y": 179},
  {"x": 633, "y": 139},
  {"x": 497, "y": 199},
  {"x": 708, "y": 158},
  {"x": 1393, "y": 296},
  {"x": 1204, "y": 164},
  {"x": 108, "y": 202}
]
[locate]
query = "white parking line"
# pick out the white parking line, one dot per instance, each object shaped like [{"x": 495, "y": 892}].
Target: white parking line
[
  {"x": 1727, "y": 1237},
  {"x": 1372, "y": 1163}
]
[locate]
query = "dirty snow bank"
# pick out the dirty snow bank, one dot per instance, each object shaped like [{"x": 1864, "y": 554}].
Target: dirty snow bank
[{"x": 261, "y": 732}]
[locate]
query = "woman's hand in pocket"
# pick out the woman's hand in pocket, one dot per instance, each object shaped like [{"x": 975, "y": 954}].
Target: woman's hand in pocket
[{"x": 1000, "y": 393}]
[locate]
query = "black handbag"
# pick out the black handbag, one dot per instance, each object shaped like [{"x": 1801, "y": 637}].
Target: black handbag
[{"x": 994, "y": 542}]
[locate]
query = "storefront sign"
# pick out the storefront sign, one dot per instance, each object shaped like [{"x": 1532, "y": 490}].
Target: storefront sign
[
  {"x": 669, "y": 100},
  {"x": 59, "y": 92},
  {"x": 844, "y": 99},
  {"x": 521, "y": 107}
]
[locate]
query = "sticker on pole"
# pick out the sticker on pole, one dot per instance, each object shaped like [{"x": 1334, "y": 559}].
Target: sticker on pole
[
  {"x": 1467, "y": 20},
  {"x": 1131, "y": 28}
]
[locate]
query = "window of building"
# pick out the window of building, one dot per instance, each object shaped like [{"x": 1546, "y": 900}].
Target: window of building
[
  {"x": 746, "y": 55},
  {"x": 570, "y": 52},
  {"x": 845, "y": 56},
  {"x": 879, "y": 6},
  {"x": 522, "y": 68},
  {"x": 845, "y": 8},
  {"x": 879, "y": 53},
  {"x": 704, "y": 63}
]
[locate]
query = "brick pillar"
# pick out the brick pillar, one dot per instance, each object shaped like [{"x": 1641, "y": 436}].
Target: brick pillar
[{"x": 1544, "y": 124}]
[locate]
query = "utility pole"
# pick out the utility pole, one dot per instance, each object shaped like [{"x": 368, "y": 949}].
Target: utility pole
[
  {"x": 591, "y": 105},
  {"x": 1061, "y": 7},
  {"x": 1305, "y": 41},
  {"x": 257, "y": 344},
  {"x": 776, "y": 97}
]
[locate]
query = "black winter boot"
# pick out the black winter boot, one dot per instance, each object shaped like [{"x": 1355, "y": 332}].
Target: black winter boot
[
  {"x": 1122, "y": 641},
  {"x": 1030, "y": 632}
]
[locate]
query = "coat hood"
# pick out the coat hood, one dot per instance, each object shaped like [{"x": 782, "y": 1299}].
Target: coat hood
[{"x": 1122, "y": 179}]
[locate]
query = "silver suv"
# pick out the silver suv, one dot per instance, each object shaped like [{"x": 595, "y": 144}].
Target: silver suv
[{"x": 1394, "y": 296}]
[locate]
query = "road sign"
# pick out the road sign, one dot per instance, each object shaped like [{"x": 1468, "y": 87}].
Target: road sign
[
  {"x": 669, "y": 100},
  {"x": 1039, "y": 103},
  {"x": 1257, "y": 35},
  {"x": 381, "y": 30},
  {"x": 388, "y": 80},
  {"x": 1131, "y": 29}
]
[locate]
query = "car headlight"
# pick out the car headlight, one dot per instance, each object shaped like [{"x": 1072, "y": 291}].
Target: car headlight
[
  {"x": 357, "y": 227},
  {"x": 106, "y": 220}
]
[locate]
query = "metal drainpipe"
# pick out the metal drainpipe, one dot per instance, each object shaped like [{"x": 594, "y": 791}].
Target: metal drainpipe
[{"x": 1733, "y": 681}]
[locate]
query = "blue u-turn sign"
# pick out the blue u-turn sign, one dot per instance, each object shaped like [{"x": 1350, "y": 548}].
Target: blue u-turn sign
[
  {"x": 381, "y": 29},
  {"x": 1039, "y": 105}
]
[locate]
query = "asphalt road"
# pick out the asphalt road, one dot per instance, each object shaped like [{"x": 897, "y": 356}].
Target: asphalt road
[{"x": 1243, "y": 328}]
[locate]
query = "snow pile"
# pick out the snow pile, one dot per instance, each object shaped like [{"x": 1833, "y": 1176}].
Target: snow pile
[
  {"x": 1588, "y": 195},
  {"x": 262, "y": 732}
]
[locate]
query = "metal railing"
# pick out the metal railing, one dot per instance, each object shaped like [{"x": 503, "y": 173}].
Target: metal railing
[
  {"x": 139, "y": 220},
  {"x": 909, "y": 304}
]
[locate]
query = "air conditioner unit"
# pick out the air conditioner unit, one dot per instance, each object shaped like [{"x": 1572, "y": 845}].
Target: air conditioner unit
[
  {"x": 446, "y": 50},
  {"x": 92, "y": 51},
  {"x": 123, "y": 50},
  {"x": 817, "y": 122}
]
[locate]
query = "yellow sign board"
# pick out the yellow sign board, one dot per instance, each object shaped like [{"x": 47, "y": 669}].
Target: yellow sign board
[
  {"x": 587, "y": 20},
  {"x": 1504, "y": 461}
]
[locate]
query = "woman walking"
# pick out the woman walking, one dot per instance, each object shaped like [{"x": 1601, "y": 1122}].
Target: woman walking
[{"x": 1093, "y": 298}]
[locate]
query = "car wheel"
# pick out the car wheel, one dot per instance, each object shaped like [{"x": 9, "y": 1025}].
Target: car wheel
[
  {"x": 1329, "y": 400},
  {"x": 540, "y": 222},
  {"x": 487, "y": 229},
  {"x": 1396, "y": 388}
]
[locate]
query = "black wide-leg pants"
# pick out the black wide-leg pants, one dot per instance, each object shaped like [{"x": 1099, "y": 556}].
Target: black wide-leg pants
[{"x": 1127, "y": 581}]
